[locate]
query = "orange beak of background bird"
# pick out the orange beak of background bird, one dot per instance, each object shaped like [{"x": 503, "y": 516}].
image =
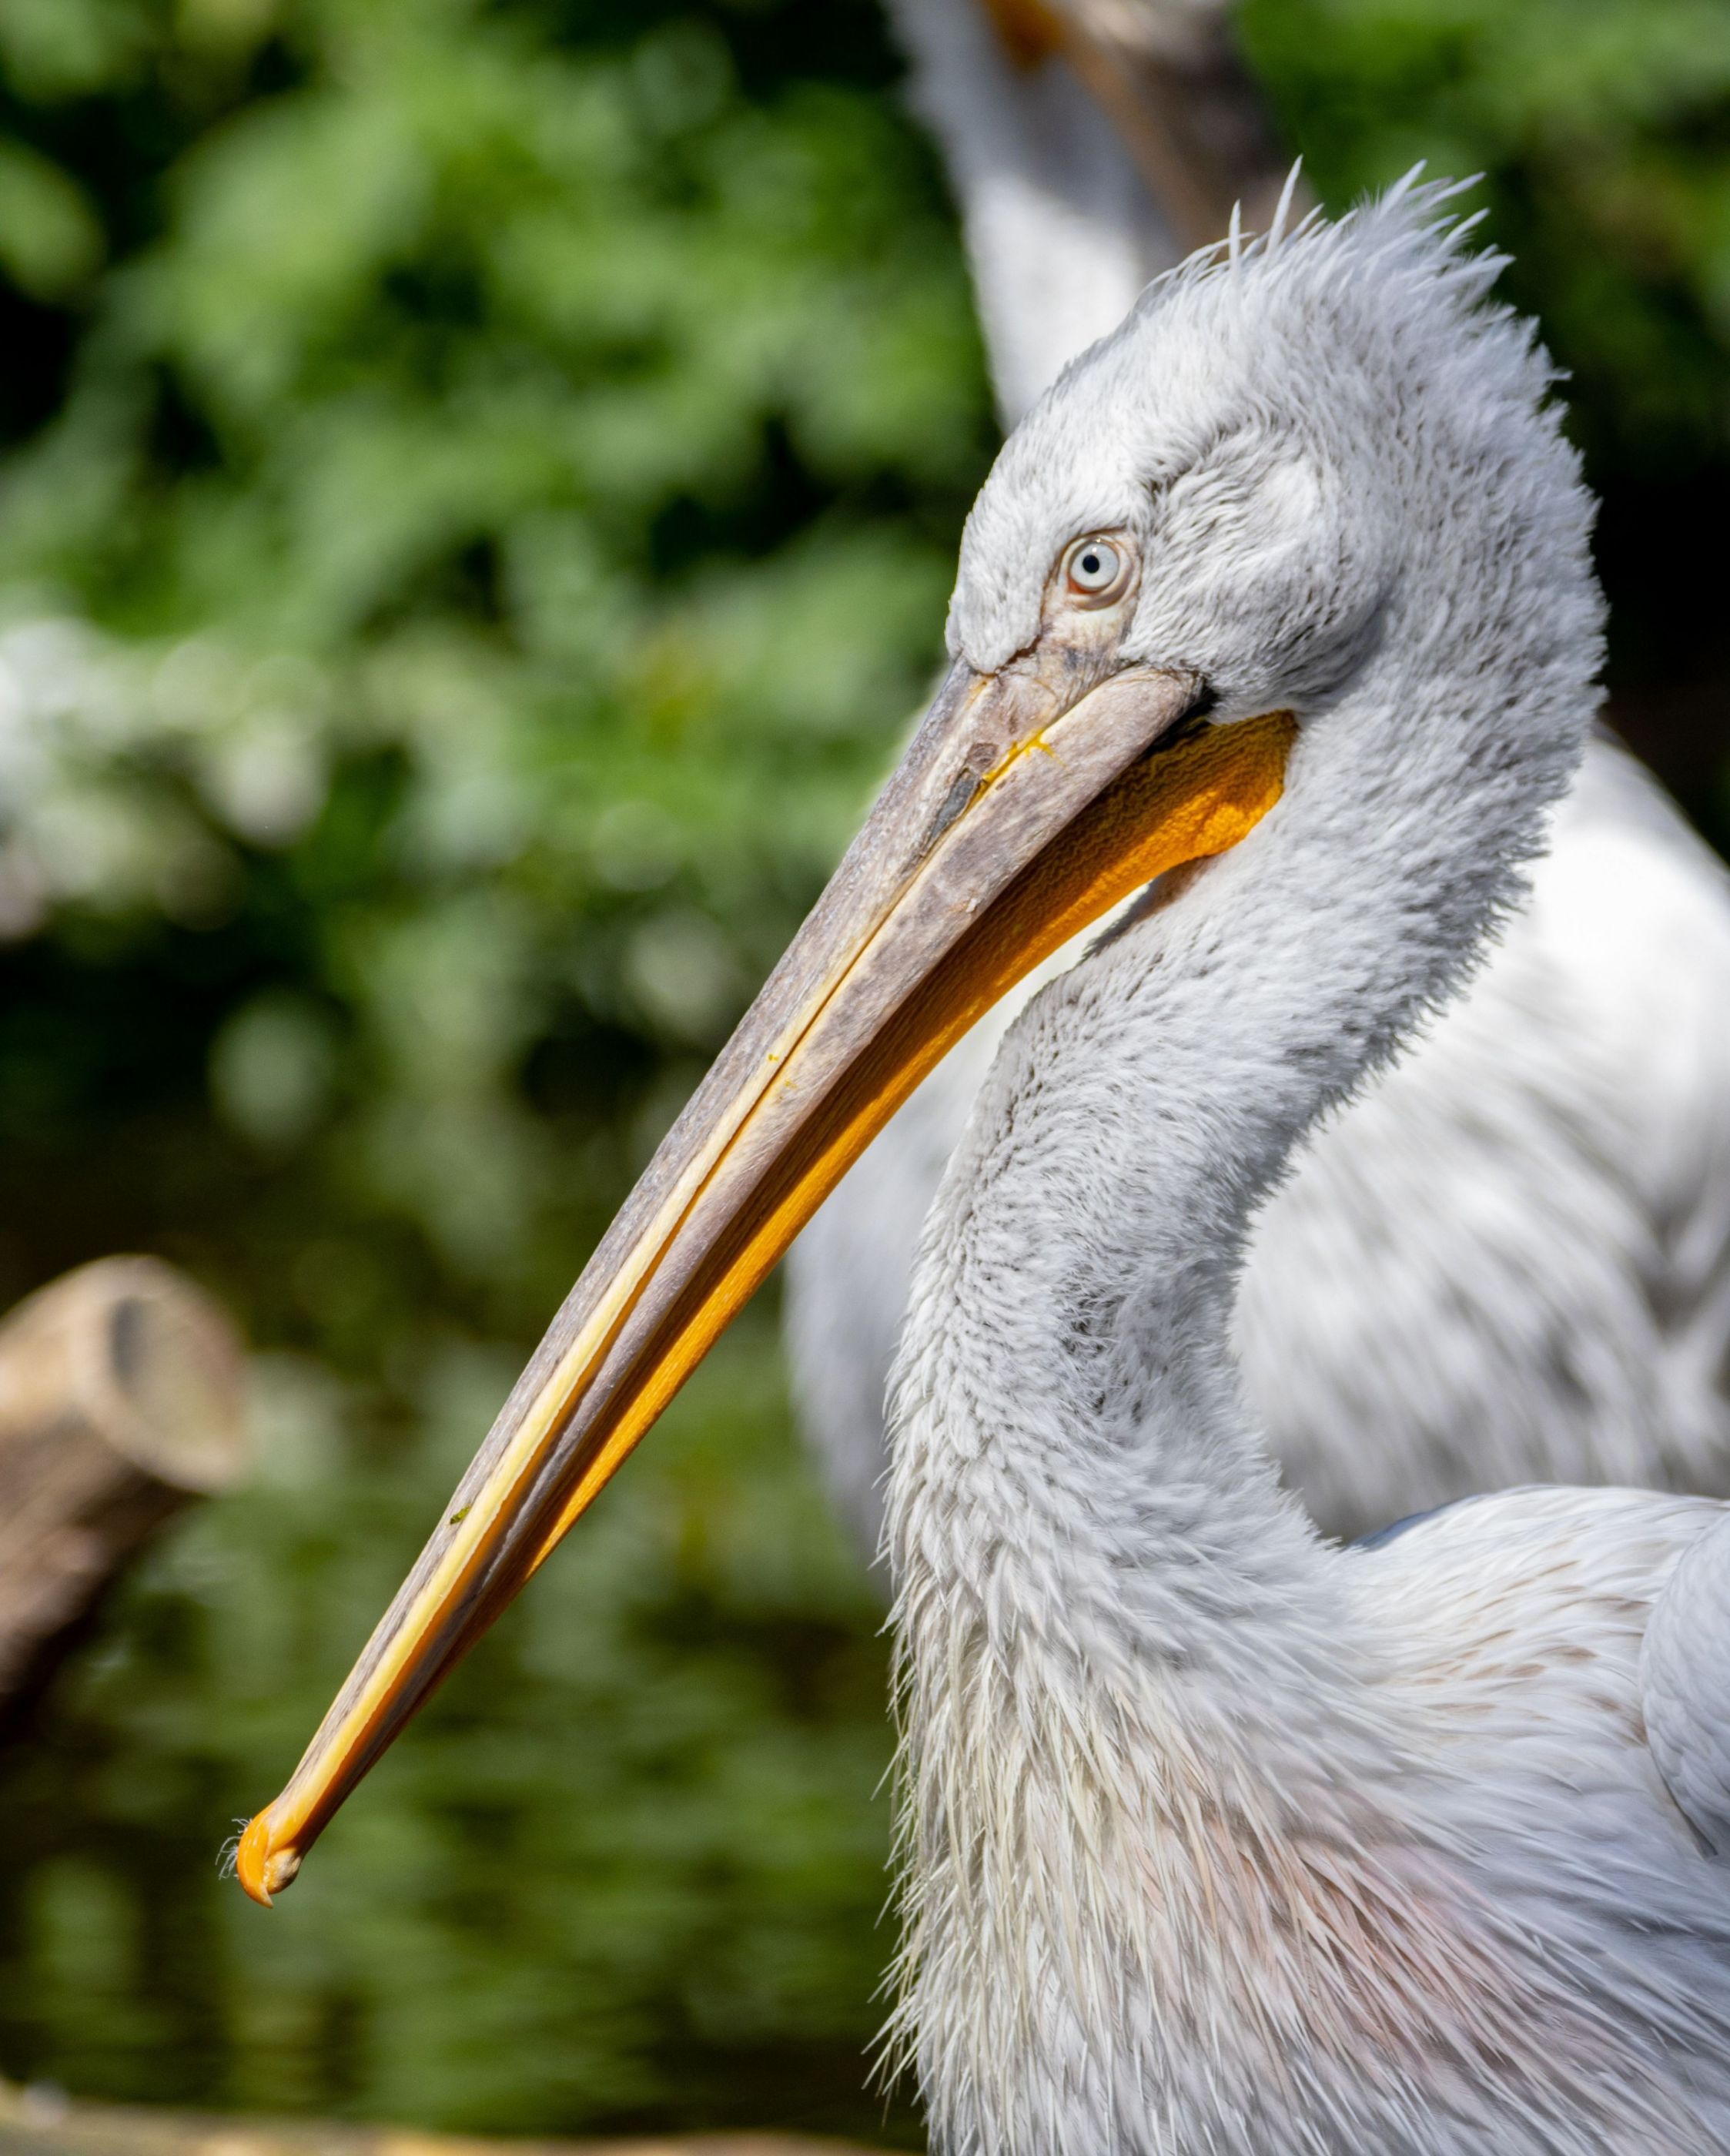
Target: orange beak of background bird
[{"x": 1029, "y": 804}]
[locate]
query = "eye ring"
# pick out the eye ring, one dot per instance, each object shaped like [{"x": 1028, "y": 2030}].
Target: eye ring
[{"x": 1097, "y": 569}]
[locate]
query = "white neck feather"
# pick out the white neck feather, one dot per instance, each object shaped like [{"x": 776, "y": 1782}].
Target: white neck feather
[
  {"x": 1147, "y": 1764},
  {"x": 1067, "y": 1354}
]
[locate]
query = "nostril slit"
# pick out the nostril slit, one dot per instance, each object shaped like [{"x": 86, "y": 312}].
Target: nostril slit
[{"x": 954, "y": 801}]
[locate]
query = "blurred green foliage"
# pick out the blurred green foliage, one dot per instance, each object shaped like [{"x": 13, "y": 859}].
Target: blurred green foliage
[
  {"x": 466, "y": 557},
  {"x": 478, "y": 485}
]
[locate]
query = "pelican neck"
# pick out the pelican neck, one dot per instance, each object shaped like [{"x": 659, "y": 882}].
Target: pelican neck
[{"x": 1067, "y": 1403}]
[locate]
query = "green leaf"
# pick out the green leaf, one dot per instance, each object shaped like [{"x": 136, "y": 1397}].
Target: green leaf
[{"x": 51, "y": 240}]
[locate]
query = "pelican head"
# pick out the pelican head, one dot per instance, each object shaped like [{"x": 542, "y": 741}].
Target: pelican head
[{"x": 1186, "y": 562}]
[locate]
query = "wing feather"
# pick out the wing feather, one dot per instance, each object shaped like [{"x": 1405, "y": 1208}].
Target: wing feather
[{"x": 1685, "y": 1685}]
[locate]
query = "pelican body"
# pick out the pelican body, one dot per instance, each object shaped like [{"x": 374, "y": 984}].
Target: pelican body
[
  {"x": 1508, "y": 1260},
  {"x": 1219, "y": 1838}
]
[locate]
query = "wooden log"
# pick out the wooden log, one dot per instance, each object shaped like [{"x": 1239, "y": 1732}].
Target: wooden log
[
  {"x": 122, "y": 1400},
  {"x": 38, "y": 2122}
]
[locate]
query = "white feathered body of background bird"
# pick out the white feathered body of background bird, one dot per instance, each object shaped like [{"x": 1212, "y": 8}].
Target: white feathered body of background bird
[{"x": 1509, "y": 1261}]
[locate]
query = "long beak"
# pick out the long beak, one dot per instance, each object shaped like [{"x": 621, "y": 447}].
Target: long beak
[{"x": 1029, "y": 804}]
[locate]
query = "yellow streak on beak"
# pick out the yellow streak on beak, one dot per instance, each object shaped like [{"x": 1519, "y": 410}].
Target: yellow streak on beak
[
  {"x": 1215, "y": 790},
  {"x": 1191, "y": 801}
]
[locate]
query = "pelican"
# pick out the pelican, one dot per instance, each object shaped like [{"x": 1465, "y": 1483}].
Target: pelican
[
  {"x": 1508, "y": 1262},
  {"x": 1219, "y": 1838}
]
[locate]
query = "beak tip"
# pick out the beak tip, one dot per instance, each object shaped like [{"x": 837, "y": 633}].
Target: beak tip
[{"x": 262, "y": 1868}]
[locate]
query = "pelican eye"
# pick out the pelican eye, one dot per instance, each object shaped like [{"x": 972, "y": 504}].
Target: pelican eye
[{"x": 1096, "y": 570}]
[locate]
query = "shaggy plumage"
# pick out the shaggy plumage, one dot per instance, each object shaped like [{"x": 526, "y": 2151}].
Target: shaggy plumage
[
  {"x": 1217, "y": 1837},
  {"x": 1509, "y": 1261}
]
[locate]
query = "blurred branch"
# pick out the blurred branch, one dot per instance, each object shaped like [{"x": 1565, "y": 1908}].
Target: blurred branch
[{"x": 121, "y": 1400}]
